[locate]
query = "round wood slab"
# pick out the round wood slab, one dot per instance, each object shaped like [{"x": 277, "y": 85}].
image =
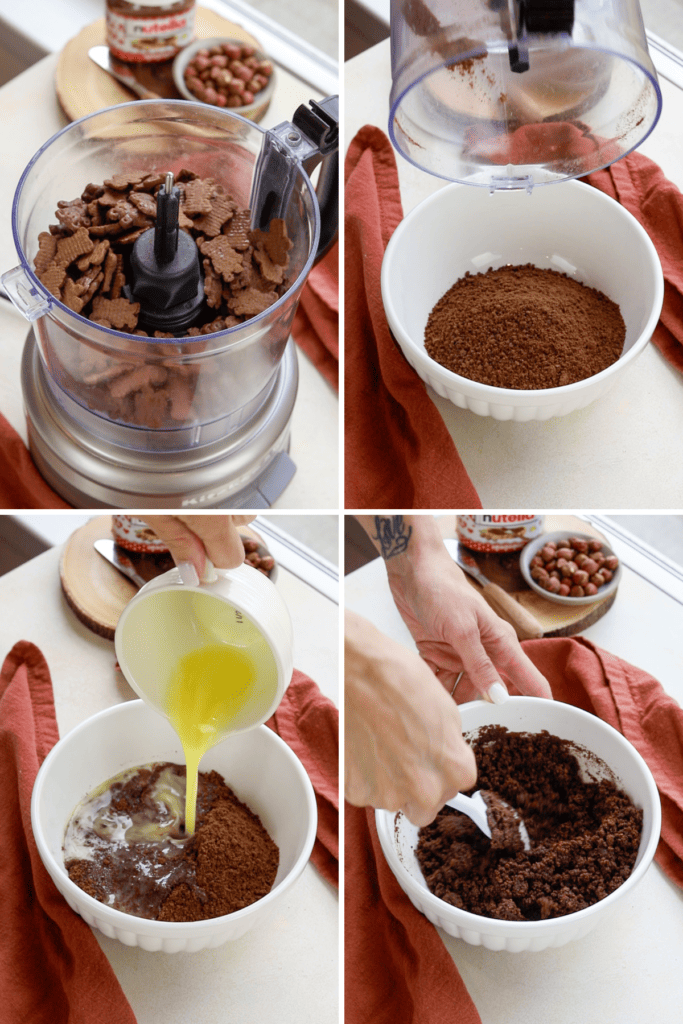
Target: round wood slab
[
  {"x": 554, "y": 619},
  {"x": 83, "y": 87},
  {"x": 95, "y": 591}
]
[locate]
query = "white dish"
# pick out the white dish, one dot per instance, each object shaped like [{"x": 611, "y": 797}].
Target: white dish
[
  {"x": 261, "y": 769},
  {"x": 398, "y": 837},
  {"x": 255, "y": 110},
  {"x": 534, "y": 546},
  {"x": 570, "y": 227}
]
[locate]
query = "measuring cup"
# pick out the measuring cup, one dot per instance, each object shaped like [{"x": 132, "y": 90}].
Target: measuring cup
[{"x": 214, "y": 658}]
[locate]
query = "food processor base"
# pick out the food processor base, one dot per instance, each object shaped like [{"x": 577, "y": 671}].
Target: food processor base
[{"x": 249, "y": 468}]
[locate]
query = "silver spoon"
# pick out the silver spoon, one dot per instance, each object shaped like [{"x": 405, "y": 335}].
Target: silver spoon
[{"x": 476, "y": 809}]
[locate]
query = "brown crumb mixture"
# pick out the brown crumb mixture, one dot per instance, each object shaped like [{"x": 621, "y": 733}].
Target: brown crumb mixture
[
  {"x": 83, "y": 259},
  {"x": 584, "y": 834},
  {"x": 228, "y": 864},
  {"x": 525, "y": 328}
]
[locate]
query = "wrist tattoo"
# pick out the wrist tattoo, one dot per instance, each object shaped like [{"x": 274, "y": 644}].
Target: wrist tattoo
[{"x": 392, "y": 535}]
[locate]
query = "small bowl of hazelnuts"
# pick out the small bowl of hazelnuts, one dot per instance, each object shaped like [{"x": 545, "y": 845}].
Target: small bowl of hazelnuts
[
  {"x": 226, "y": 73},
  {"x": 570, "y": 568}
]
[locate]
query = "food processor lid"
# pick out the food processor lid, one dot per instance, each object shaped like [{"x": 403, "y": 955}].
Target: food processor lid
[{"x": 517, "y": 93}]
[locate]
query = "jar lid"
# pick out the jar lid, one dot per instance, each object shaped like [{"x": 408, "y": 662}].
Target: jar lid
[{"x": 479, "y": 98}]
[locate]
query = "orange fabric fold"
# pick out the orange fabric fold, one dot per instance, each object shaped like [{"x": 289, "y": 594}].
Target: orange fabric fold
[
  {"x": 21, "y": 485},
  {"x": 51, "y": 965},
  {"x": 642, "y": 188},
  {"x": 308, "y": 722},
  {"x": 635, "y": 703},
  {"x": 316, "y": 324},
  {"x": 397, "y": 969},
  {"x": 398, "y": 452}
]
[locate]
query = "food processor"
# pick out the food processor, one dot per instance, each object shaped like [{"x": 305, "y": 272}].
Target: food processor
[
  {"x": 226, "y": 444},
  {"x": 511, "y": 94}
]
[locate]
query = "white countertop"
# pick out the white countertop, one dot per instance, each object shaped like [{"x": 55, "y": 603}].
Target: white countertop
[
  {"x": 629, "y": 969},
  {"x": 619, "y": 452},
  {"x": 30, "y": 115},
  {"x": 286, "y": 970}
]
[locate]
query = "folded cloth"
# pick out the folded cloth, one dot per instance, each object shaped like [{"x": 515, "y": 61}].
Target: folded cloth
[
  {"x": 397, "y": 969},
  {"x": 21, "y": 485},
  {"x": 308, "y": 722},
  {"x": 641, "y": 187},
  {"x": 633, "y": 702},
  {"x": 398, "y": 452},
  {"x": 51, "y": 966},
  {"x": 316, "y": 324}
]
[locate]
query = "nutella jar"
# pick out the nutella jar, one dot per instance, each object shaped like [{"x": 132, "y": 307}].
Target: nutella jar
[
  {"x": 149, "y": 31},
  {"x": 498, "y": 534},
  {"x": 134, "y": 534}
]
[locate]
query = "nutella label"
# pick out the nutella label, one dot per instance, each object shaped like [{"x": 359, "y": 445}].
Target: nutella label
[
  {"x": 498, "y": 533},
  {"x": 147, "y": 40}
]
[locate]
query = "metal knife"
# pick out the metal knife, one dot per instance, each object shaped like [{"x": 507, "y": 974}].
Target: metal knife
[
  {"x": 503, "y": 604},
  {"x": 117, "y": 558},
  {"x": 101, "y": 56}
]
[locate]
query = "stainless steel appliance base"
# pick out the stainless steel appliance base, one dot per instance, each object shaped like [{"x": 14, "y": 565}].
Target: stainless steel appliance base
[{"x": 249, "y": 468}]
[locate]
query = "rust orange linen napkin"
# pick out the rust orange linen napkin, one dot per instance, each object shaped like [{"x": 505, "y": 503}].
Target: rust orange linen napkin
[
  {"x": 398, "y": 452},
  {"x": 316, "y": 324},
  {"x": 397, "y": 969},
  {"x": 51, "y": 966},
  {"x": 642, "y": 188},
  {"x": 635, "y": 703},
  {"x": 308, "y": 722},
  {"x": 21, "y": 485}
]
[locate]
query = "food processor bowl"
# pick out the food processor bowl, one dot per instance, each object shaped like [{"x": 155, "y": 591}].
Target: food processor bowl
[
  {"x": 215, "y": 379},
  {"x": 517, "y": 93}
]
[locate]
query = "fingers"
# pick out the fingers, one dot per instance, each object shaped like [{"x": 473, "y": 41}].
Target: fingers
[
  {"x": 194, "y": 538},
  {"x": 220, "y": 538}
]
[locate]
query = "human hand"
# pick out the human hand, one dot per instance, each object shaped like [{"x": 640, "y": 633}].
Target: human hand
[
  {"x": 456, "y": 631},
  {"x": 404, "y": 748},
  {"x": 194, "y": 539}
]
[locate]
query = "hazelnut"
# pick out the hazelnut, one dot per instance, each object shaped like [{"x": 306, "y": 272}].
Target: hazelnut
[
  {"x": 612, "y": 562},
  {"x": 564, "y": 552},
  {"x": 595, "y": 545},
  {"x": 590, "y": 590},
  {"x": 590, "y": 566},
  {"x": 580, "y": 578},
  {"x": 577, "y": 591}
]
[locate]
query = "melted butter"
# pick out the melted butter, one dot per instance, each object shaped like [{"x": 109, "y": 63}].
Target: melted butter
[
  {"x": 212, "y": 688},
  {"x": 208, "y": 668},
  {"x": 159, "y": 822}
]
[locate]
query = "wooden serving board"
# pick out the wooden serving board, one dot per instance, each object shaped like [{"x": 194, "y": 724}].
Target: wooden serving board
[
  {"x": 95, "y": 591},
  {"x": 554, "y": 619},
  {"x": 83, "y": 87}
]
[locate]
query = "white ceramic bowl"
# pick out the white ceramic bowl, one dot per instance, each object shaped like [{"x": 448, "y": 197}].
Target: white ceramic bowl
[
  {"x": 534, "y": 546},
  {"x": 254, "y": 110},
  {"x": 263, "y": 771},
  {"x": 398, "y": 837},
  {"x": 570, "y": 227}
]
